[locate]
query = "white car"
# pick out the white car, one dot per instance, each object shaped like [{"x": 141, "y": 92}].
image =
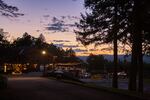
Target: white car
[
  {"x": 86, "y": 75},
  {"x": 122, "y": 74}
]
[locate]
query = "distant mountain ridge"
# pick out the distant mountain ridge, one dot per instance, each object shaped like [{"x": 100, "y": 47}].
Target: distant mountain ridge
[{"x": 146, "y": 59}]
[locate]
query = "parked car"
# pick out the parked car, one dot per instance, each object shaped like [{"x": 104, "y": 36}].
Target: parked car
[
  {"x": 85, "y": 75},
  {"x": 122, "y": 74},
  {"x": 59, "y": 74}
]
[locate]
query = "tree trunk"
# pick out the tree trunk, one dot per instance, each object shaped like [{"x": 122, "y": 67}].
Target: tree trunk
[
  {"x": 133, "y": 68},
  {"x": 136, "y": 61},
  {"x": 115, "y": 66},
  {"x": 115, "y": 76},
  {"x": 140, "y": 66}
]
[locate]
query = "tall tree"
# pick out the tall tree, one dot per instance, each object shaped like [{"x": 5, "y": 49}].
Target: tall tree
[
  {"x": 4, "y": 45},
  {"x": 40, "y": 41},
  {"x": 115, "y": 77},
  {"x": 104, "y": 23},
  {"x": 125, "y": 20},
  {"x": 8, "y": 11},
  {"x": 139, "y": 19}
]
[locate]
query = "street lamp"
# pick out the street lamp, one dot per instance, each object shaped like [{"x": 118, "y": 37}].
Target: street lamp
[
  {"x": 54, "y": 61},
  {"x": 44, "y": 53}
]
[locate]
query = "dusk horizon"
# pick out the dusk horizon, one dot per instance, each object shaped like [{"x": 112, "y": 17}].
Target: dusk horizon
[{"x": 74, "y": 49}]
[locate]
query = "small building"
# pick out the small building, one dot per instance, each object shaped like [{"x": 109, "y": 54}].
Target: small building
[{"x": 75, "y": 68}]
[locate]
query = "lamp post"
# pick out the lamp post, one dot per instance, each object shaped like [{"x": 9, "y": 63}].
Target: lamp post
[
  {"x": 54, "y": 61},
  {"x": 44, "y": 53}
]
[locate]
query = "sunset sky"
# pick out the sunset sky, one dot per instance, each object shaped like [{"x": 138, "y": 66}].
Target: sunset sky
[{"x": 53, "y": 18}]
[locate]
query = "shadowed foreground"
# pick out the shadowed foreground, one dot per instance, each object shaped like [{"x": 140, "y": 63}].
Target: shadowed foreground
[{"x": 38, "y": 88}]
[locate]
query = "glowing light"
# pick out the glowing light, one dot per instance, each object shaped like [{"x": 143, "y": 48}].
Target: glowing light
[{"x": 43, "y": 52}]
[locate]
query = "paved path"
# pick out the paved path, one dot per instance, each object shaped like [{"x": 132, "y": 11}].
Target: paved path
[{"x": 38, "y": 88}]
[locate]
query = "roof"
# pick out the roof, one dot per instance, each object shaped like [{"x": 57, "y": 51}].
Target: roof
[{"x": 68, "y": 64}]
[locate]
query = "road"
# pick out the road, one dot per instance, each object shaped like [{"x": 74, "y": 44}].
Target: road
[
  {"x": 38, "y": 88},
  {"x": 122, "y": 83}
]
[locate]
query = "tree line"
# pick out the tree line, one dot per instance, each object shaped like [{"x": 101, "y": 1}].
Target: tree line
[
  {"x": 28, "y": 49},
  {"x": 98, "y": 64}
]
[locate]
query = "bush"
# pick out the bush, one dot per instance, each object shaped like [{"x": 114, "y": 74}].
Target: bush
[{"x": 3, "y": 82}]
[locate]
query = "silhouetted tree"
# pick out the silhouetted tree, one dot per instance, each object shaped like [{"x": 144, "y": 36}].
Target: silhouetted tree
[
  {"x": 40, "y": 41},
  {"x": 29, "y": 50},
  {"x": 96, "y": 62},
  {"x": 25, "y": 41},
  {"x": 105, "y": 23},
  {"x": 4, "y": 45},
  {"x": 70, "y": 56},
  {"x": 7, "y": 11},
  {"x": 125, "y": 20},
  {"x": 138, "y": 20}
]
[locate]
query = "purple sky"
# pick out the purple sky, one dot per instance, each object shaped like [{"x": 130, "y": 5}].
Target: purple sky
[
  {"x": 38, "y": 14},
  {"x": 53, "y": 18}
]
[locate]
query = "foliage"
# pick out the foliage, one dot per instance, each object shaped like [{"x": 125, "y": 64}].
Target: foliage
[
  {"x": 69, "y": 56},
  {"x": 25, "y": 40},
  {"x": 123, "y": 20},
  {"x": 101, "y": 21},
  {"x": 105, "y": 22},
  {"x": 28, "y": 49},
  {"x": 96, "y": 62}
]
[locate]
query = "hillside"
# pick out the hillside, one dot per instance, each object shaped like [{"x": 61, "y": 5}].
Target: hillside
[{"x": 146, "y": 59}]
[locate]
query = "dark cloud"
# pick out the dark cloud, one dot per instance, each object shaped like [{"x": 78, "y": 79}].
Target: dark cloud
[
  {"x": 62, "y": 44},
  {"x": 61, "y": 41},
  {"x": 62, "y": 24},
  {"x": 60, "y": 27},
  {"x": 80, "y": 50},
  {"x": 107, "y": 49},
  {"x": 57, "y": 29},
  {"x": 72, "y": 17},
  {"x": 86, "y": 53},
  {"x": 59, "y": 44},
  {"x": 63, "y": 17},
  {"x": 71, "y": 46},
  {"x": 57, "y": 25},
  {"x": 93, "y": 49},
  {"x": 70, "y": 25},
  {"x": 55, "y": 20}
]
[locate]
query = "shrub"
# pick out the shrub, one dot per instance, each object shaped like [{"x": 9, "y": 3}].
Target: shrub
[{"x": 3, "y": 82}]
